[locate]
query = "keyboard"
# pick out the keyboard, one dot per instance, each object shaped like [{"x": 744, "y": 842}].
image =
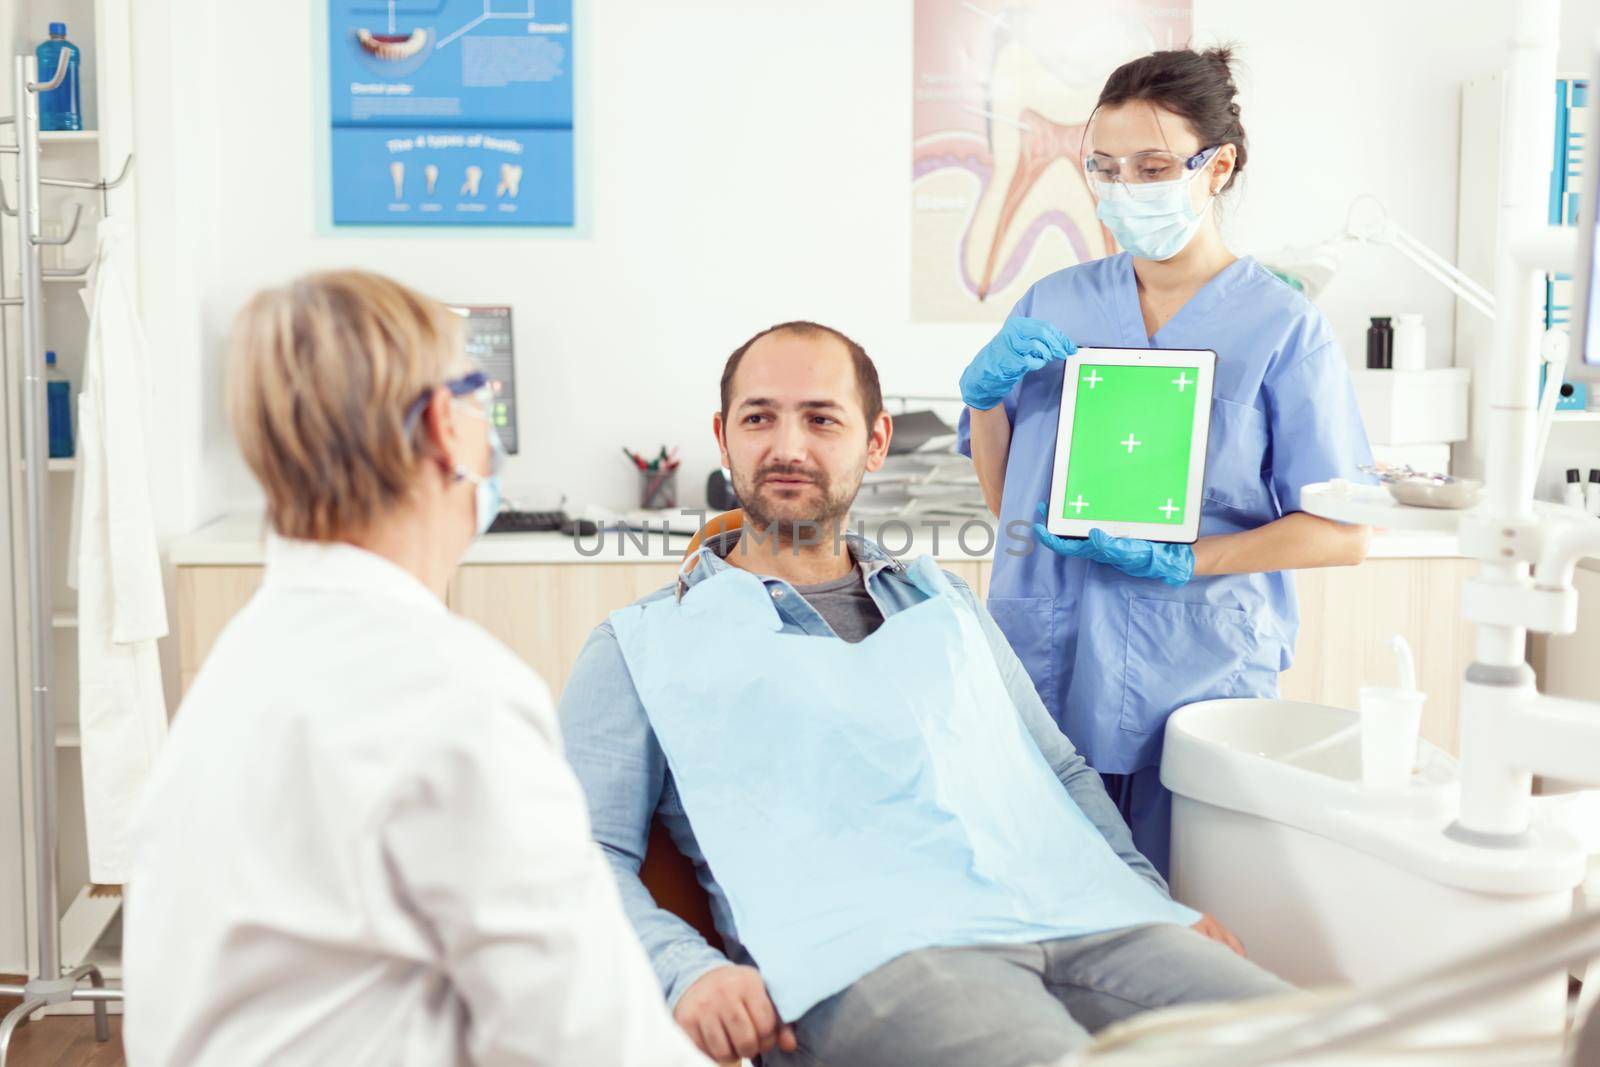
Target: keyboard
[{"x": 509, "y": 521}]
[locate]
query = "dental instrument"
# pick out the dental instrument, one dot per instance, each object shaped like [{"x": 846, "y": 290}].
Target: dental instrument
[{"x": 1425, "y": 489}]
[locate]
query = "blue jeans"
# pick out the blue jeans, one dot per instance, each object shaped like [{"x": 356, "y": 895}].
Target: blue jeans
[{"x": 1017, "y": 1005}]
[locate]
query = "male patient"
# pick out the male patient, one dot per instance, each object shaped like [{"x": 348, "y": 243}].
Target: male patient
[{"x": 906, "y": 859}]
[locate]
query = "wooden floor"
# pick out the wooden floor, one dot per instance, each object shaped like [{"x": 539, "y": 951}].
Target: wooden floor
[{"x": 62, "y": 1040}]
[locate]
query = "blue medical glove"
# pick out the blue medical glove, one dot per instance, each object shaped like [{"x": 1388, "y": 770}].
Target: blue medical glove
[
  {"x": 1173, "y": 564},
  {"x": 1022, "y": 345},
  {"x": 1071, "y": 547}
]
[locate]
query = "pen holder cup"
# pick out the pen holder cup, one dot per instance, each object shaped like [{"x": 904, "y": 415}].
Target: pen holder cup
[{"x": 658, "y": 489}]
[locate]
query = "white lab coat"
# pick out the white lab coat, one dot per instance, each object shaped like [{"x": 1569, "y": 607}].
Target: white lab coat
[
  {"x": 363, "y": 846},
  {"x": 122, "y": 612}
]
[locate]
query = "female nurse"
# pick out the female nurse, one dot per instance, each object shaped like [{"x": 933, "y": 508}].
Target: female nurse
[{"x": 1119, "y": 633}]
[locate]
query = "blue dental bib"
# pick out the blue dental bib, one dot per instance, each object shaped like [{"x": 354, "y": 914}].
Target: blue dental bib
[{"x": 859, "y": 801}]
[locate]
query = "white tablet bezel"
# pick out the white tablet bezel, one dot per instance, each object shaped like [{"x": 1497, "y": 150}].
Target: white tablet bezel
[{"x": 1204, "y": 363}]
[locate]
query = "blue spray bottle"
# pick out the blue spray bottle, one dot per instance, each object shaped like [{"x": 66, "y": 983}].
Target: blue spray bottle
[
  {"x": 59, "y": 108},
  {"x": 58, "y": 409}
]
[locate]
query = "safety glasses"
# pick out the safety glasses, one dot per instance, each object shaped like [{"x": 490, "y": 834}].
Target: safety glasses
[
  {"x": 469, "y": 384},
  {"x": 1143, "y": 168}
]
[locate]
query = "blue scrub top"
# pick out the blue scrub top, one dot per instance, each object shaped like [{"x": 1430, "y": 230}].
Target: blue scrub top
[{"x": 1113, "y": 656}]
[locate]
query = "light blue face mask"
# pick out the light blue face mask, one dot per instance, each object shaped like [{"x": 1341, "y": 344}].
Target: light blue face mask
[
  {"x": 486, "y": 487},
  {"x": 1153, "y": 220}
]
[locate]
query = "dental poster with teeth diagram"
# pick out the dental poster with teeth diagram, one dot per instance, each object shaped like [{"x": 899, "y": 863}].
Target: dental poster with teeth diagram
[
  {"x": 451, "y": 112},
  {"x": 1002, "y": 91}
]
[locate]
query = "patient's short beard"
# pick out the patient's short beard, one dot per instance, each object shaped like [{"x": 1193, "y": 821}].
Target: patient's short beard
[{"x": 760, "y": 512}]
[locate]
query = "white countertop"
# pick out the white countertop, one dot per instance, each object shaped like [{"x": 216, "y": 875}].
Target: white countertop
[{"x": 237, "y": 541}]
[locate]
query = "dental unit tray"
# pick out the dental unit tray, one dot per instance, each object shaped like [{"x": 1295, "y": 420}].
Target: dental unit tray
[
  {"x": 1424, "y": 489},
  {"x": 1373, "y": 505}
]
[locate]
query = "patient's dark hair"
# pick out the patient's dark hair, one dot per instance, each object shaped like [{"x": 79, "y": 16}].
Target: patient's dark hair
[
  {"x": 866, "y": 374},
  {"x": 1196, "y": 85}
]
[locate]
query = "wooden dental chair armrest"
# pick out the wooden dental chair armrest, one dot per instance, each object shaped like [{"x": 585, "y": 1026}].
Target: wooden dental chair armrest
[{"x": 670, "y": 878}]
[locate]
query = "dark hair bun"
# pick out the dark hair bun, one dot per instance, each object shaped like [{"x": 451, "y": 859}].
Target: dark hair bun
[{"x": 1222, "y": 56}]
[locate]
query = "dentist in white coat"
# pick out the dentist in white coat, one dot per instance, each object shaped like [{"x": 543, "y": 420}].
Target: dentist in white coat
[{"x": 362, "y": 844}]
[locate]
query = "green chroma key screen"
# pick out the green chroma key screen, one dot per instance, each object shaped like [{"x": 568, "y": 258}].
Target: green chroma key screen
[{"x": 1131, "y": 433}]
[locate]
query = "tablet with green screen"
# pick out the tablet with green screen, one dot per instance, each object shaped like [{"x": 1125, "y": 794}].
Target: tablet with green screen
[{"x": 1131, "y": 444}]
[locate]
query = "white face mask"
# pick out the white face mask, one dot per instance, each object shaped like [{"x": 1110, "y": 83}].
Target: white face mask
[{"x": 1153, "y": 220}]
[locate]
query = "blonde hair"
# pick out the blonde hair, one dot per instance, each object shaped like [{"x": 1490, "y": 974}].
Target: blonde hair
[{"x": 321, "y": 373}]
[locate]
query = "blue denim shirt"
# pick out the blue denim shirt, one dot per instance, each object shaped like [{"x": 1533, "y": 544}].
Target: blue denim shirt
[{"x": 612, "y": 748}]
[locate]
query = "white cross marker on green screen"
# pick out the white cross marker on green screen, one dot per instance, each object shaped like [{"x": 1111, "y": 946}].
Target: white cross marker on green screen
[
  {"x": 1182, "y": 381},
  {"x": 1078, "y": 504},
  {"x": 1169, "y": 508},
  {"x": 1131, "y": 443},
  {"x": 1093, "y": 378}
]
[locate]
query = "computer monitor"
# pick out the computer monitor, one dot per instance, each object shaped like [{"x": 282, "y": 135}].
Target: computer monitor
[
  {"x": 1584, "y": 360},
  {"x": 490, "y": 347}
]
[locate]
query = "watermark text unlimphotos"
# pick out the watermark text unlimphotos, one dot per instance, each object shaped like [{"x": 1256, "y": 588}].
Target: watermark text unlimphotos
[{"x": 977, "y": 538}]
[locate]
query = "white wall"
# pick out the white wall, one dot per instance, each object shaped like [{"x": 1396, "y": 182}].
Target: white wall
[{"x": 750, "y": 164}]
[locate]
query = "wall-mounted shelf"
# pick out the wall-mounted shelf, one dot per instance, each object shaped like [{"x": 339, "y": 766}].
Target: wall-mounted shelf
[
  {"x": 64, "y": 620},
  {"x": 69, "y": 136},
  {"x": 69, "y": 737},
  {"x": 1578, "y": 416},
  {"x": 79, "y": 280}
]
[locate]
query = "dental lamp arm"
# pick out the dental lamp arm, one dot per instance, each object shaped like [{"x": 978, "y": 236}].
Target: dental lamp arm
[
  {"x": 1442, "y": 270},
  {"x": 1384, "y": 231}
]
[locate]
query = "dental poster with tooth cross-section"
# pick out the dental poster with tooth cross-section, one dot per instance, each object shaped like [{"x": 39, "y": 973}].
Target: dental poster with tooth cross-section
[
  {"x": 1001, "y": 97},
  {"x": 451, "y": 112},
  {"x": 1131, "y": 434}
]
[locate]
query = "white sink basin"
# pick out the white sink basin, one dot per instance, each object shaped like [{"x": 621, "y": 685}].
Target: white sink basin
[
  {"x": 1287, "y": 760},
  {"x": 1329, "y": 881}
]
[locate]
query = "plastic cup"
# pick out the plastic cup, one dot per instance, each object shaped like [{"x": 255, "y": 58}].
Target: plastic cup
[{"x": 1391, "y": 721}]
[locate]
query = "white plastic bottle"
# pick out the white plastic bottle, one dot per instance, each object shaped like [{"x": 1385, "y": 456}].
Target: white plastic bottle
[
  {"x": 1591, "y": 493},
  {"x": 1572, "y": 492}
]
